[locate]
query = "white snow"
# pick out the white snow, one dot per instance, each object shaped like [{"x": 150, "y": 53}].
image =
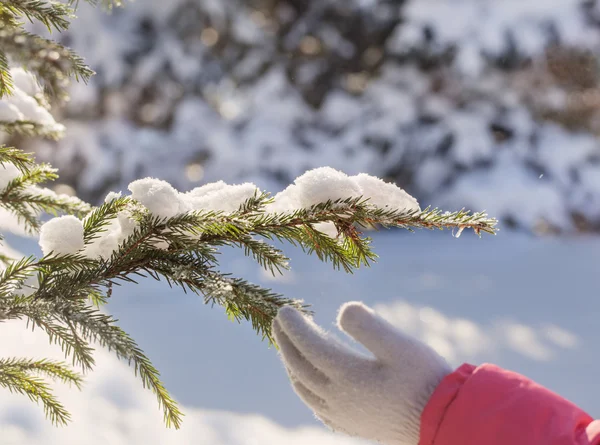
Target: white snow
[
  {"x": 22, "y": 104},
  {"x": 159, "y": 197},
  {"x": 110, "y": 196},
  {"x": 113, "y": 235},
  {"x": 206, "y": 189},
  {"x": 8, "y": 172},
  {"x": 325, "y": 183},
  {"x": 62, "y": 235},
  {"x": 316, "y": 186},
  {"x": 163, "y": 200},
  {"x": 384, "y": 194},
  {"x": 25, "y": 81},
  {"x": 220, "y": 196},
  {"x": 106, "y": 242}
]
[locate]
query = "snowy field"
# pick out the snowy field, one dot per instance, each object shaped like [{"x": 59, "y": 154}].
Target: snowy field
[{"x": 528, "y": 304}]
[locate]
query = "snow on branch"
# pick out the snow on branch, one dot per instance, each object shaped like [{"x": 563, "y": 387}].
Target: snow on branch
[
  {"x": 25, "y": 110},
  {"x": 160, "y": 232}
]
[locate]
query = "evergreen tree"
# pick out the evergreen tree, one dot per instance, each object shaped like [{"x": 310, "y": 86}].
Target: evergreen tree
[{"x": 156, "y": 231}]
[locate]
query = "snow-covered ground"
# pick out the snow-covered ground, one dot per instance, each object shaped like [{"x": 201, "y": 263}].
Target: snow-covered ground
[{"x": 528, "y": 304}]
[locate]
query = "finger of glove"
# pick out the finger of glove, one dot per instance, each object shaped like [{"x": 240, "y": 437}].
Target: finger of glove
[
  {"x": 298, "y": 366},
  {"x": 375, "y": 333},
  {"x": 327, "y": 422},
  {"x": 323, "y": 352},
  {"x": 332, "y": 425},
  {"x": 316, "y": 403}
]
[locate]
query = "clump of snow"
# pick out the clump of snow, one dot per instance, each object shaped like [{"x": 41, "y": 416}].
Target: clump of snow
[
  {"x": 202, "y": 191},
  {"x": 62, "y": 235},
  {"x": 112, "y": 196},
  {"x": 384, "y": 194},
  {"x": 325, "y": 183},
  {"x": 126, "y": 223},
  {"x": 322, "y": 184},
  {"x": 328, "y": 228},
  {"x": 9, "y": 112},
  {"x": 163, "y": 200},
  {"x": 159, "y": 197},
  {"x": 8, "y": 172},
  {"x": 313, "y": 187},
  {"x": 219, "y": 196}
]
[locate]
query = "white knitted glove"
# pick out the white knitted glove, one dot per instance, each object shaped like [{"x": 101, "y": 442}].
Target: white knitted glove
[{"x": 378, "y": 398}]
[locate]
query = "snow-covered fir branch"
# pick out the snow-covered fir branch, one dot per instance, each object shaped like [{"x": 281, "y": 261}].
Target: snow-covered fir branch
[
  {"x": 156, "y": 230},
  {"x": 166, "y": 234}
]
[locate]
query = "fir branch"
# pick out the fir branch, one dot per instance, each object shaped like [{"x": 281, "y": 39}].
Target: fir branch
[
  {"x": 45, "y": 315},
  {"x": 255, "y": 203},
  {"x": 35, "y": 175},
  {"x": 18, "y": 379},
  {"x": 51, "y": 14},
  {"x": 25, "y": 200},
  {"x": 50, "y": 368},
  {"x": 97, "y": 220},
  {"x": 15, "y": 274},
  {"x": 247, "y": 301},
  {"x": 23, "y": 161},
  {"x": 96, "y": 326},
  {"x": 6, "y": 82},
  {"x": 32, "y": 129},
  {"x": 267, "y": 256},
  {"x": 27, "y": 206},
  {"x": 85, "y": 324},
  {"x": 49, "y": 60}
]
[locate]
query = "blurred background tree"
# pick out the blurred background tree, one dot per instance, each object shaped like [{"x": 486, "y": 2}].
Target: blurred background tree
[{"x": 460, "y": 102}]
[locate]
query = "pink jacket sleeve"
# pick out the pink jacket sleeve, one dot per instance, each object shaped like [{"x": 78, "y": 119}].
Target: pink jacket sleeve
[{"x": 487, "y": 405}]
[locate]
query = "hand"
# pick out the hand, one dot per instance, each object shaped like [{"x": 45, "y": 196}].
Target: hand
[{"x": 378, "y": 398}]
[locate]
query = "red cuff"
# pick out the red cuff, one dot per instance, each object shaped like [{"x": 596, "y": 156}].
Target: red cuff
[
  {"x": 492, "y": 406},
  {"x": 433, "y": 414}
]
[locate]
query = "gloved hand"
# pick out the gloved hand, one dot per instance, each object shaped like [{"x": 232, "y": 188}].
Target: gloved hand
[{"x": 378, "y": 398}]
